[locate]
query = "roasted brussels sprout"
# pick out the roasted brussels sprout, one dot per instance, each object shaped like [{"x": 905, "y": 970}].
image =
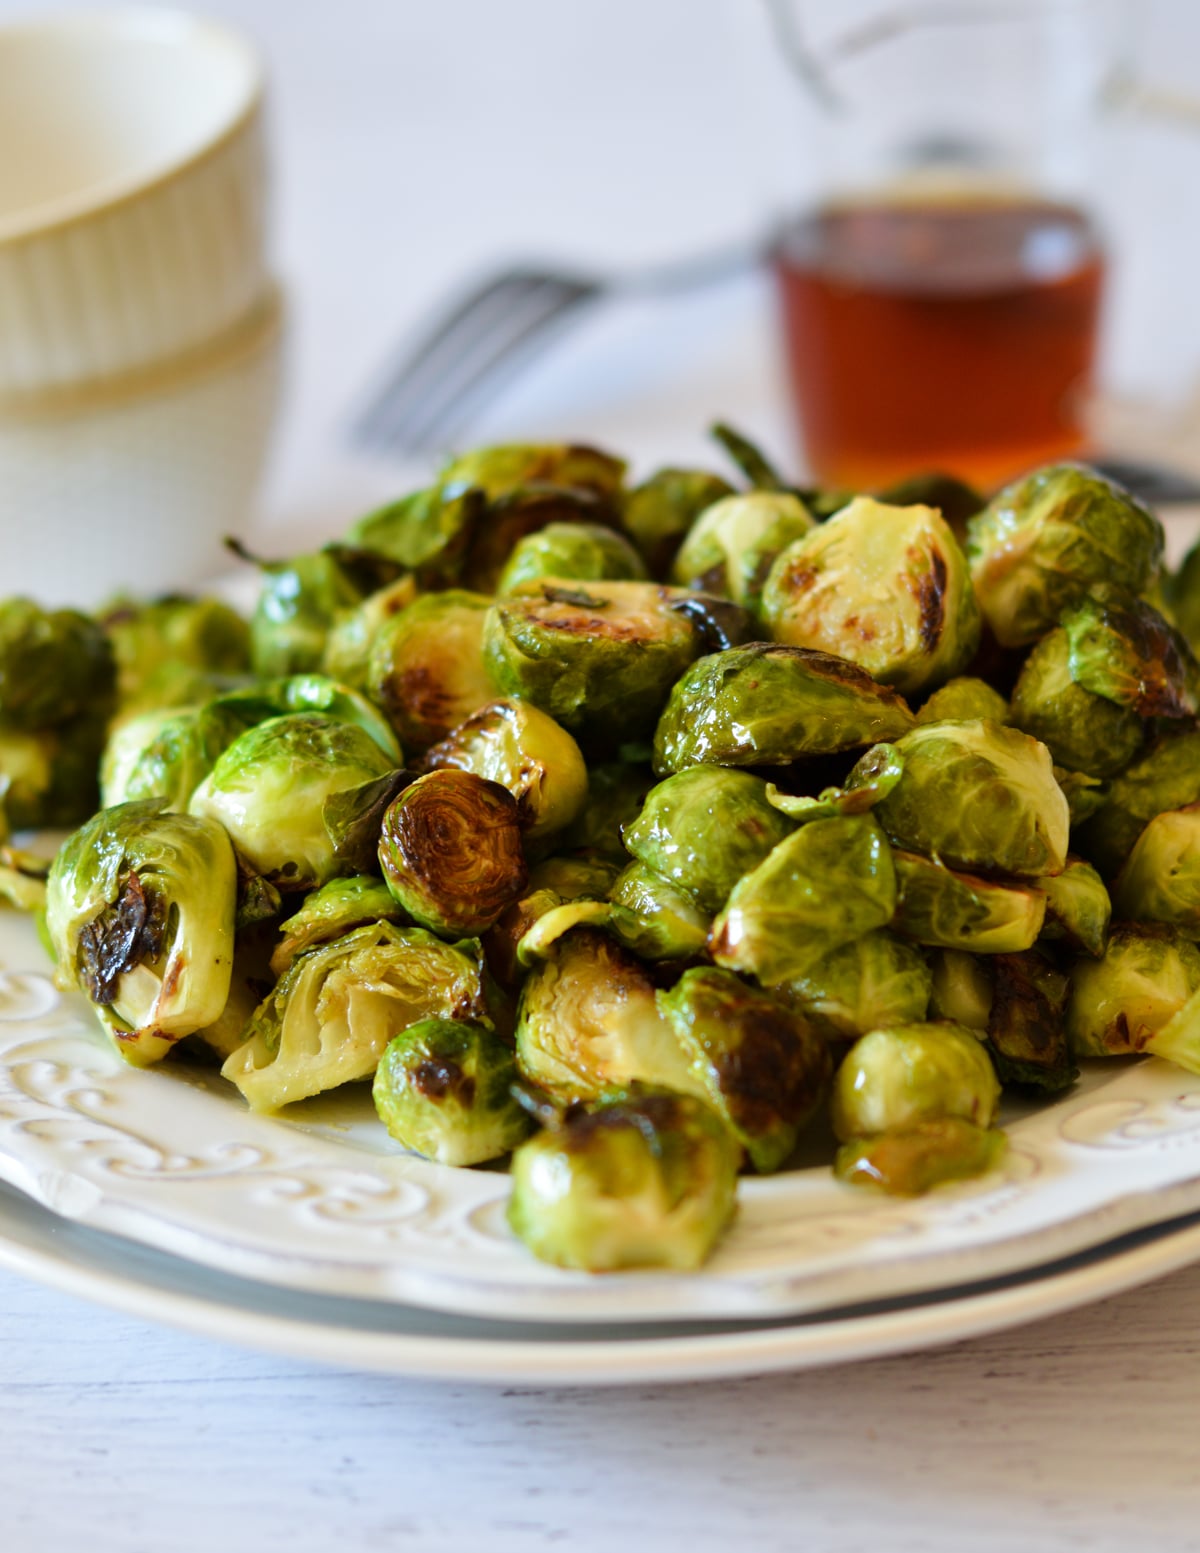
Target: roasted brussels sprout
[
  {"x": 949, "y": 910},
  {"x": 269, "y": 790},
  {"x": 54, "y": 665},
  {"x": 733, "y": 544},
  {"x": 871, "y": 982},
  {"x": 962, "y": 988},
  {"x": 965, "y": 700},
  {"x": 588, "y": 1023},
  {"x": 166, "y": 754},
  {"x": 299, "y": 601},
  {"x": 1041, "y": 545},
  {"x": 978, "y": 795},
  {"x": 443, "y": 1088},
  {"x": 451, "y": 851},
  {"x": 761, "y": 1066},
  {"x": 1160, "y": 879},
  {"x": 644, "y": 1182},
  {"x": 513, "y": 743},
  {"x": 554, "y": 882},
  {"x": 1082, "y": 731},
  {"x": 767, "y": 705},
  {"x": 1027, "y": 1035},
  {"x": 202, "y": 635},
  {"x": 660, "y": 511},
  {"x": 139, "y": 912},
  {"x": 337, "y": 908},
  {"x": 502, "y": 470},
  {"x": 427, "y": 670},
  {"x": 426, "y": 532},
  {"x": 331, "y": 1016},
  {"x": 885, "y": 587},
  {"x": 902, "y": 1075},
  {"x": 705, "y": 827},
  {"x": 599, "y": 657},
  {"x": 351, "y": 638},
  {"x": 584, "y": 552},
  {"x": 1077, "y": 907},
  {"x": 655, "y": 918},
  {"x": 915, "y": 1160},
  {"x": 1121, "y": 648},
  {"x": 1166, "y": 776},
  {"x": 1119, "y": 1003},
  {"x": 826, "y": 884}
]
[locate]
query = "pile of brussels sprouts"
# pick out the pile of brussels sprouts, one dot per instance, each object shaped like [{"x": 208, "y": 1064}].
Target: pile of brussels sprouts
[{"x": 635, "y": 829}]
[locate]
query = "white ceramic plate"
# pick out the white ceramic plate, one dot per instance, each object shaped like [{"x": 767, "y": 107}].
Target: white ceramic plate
[{"x": 324, "y": 1202}]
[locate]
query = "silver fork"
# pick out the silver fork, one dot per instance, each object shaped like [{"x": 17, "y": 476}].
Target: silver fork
[{"x": 488, "y": 333}]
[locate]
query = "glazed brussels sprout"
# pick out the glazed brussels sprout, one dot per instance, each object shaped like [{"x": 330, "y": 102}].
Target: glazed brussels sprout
[
  {"x": 733, "y": 544},
  {"x": 1121, "y": 648},
  {"x": 599, "y": 657},
  {"x": 351, "y": 638},
  {"x": 885, "y": 587},
  {"x": 451, "y": 851},
  {"x": 767, "y": 705},
  {"x": 655, "y": 918},
  {"x": 199, "y": 634},
  {"x": 1045, "y": 541},
  {"x": 962, "y": 988},
  {"x": 139, "y": 912},
  {"x": 1082, "y": 731},
  {"x": 269, "y": 790},
  {"x": 443, "y": 1088},
  {"x": 329, "y": 1019},
  {"x": 871, "y": 982},
  {"x": 823, "y": 886},
  {"x": 1119, "y": 1003},
  {"x": 588, "y": 1023},
  {"x": 584, "y": 552},
  {"x": 1078, "y": 909},
  {"x": 426, "y": 532},
  {"x": 900, "y": 1076},
  {"x": 513, "y": 743},
  {"x": 335, "y": 909},
  {"x": 965, "y": 700},
  {"x": 1160, "y": 879},
  {"x": 1027, "y": 1035},
  {"x": 1166, "y": 776},
  {"x": 978, "y": 795},
  {"x": 705, "y": 827},
  {"x": 299, "y": 601},
  {"x": 660, "y": 511},
  {"x": 760, "y": 1065},
  {"x": 166, "y": 754},
  {"x": 54, "y": 665},
  {"x": 427, "y": 670},
  {"x": 938, "y": 906},
  {"x": 643, "y": 1182},
  {"x": 920, "y": 1157}
]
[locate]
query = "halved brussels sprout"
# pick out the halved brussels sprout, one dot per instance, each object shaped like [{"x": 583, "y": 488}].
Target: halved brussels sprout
[
  {"x": 588, "y": 1023},
  {"x": 427, "y": 531},
  {"x": 978, "y": 795},
  {"x": 705, "y": 827},
  {"x": 201, "y": 634},
  {"x": 1121, "y": 648},
  {"x": 335, "y": 909},
  {"x": 616, "y": 792},
  {"x": 513, "y": 743},
  {"x": 451, "y": 851},
  {"x": 655, "y": 918},
  {"x": 767, "y": 705},
  {"x": 552, "y": 883},
  {"x": 1160, "y": 879},
  {"x": 299, "y": 601},
  {"x": 54, "y": 665},
  {"x": 269, "y": 790},
  {"x": 873, "y": 981},
  {"x": 351, "y": 638},
  {"x": 903, "y": 1075},
  {"x": 965, "y": 700},
  {"x": 1077, "y": 907},
  {"x": 427, "y": 670},
  {"x": 1120, "y": 1002},
  {"x": 660, "y": 511},
  {"x": 733, "y": 544},
  {"x": 962, "y": 988},
  {"x": 1166, "y": 776},
  {"x": 760, "y": 1065},
  {"x": 1044, "y": 541},
  {"x": 913, "y": 1161},
  {"x": 643, "y": 1182},
  {"x": 333, "y": 1013},
  {"x": 139, "y": 912},
  {"x": 443, "y": 1088},
  {"x": 1082, "y": 731},
  {"x": 824, "y": 885},
  {"x": 585, "y": 552},
  {"x": 1027, "y": 1035},
  {"x": 885, "y": 587},
  {"x": 946, "y": 909},
  {"x": 600, "y": 657}
]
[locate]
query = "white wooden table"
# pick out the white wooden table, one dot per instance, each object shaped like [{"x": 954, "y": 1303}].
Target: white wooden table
[{"x": 407, "y": 158}]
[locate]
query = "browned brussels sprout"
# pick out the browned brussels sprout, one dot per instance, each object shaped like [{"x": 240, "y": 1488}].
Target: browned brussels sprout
[
  {"x": 1121, "y": 648},
  {"x": 1121, "y": 1002},
  {"x": 732, "y": 546},
  {"x": 1083, "y": 731},
  {"x": 1027, "y": 1034},
  {"x": 914, "y": 1160},
  {"x": 351, "y": 637},
  {"x": 426, "y": 668},
  {"x": 948, "y": 910}
]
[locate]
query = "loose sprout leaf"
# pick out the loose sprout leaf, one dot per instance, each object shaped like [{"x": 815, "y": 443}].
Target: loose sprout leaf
[
  {"x": 354, "y": 817},
  {"x": 874, "y": 777},
  {"x": 753, "y": 463}
]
